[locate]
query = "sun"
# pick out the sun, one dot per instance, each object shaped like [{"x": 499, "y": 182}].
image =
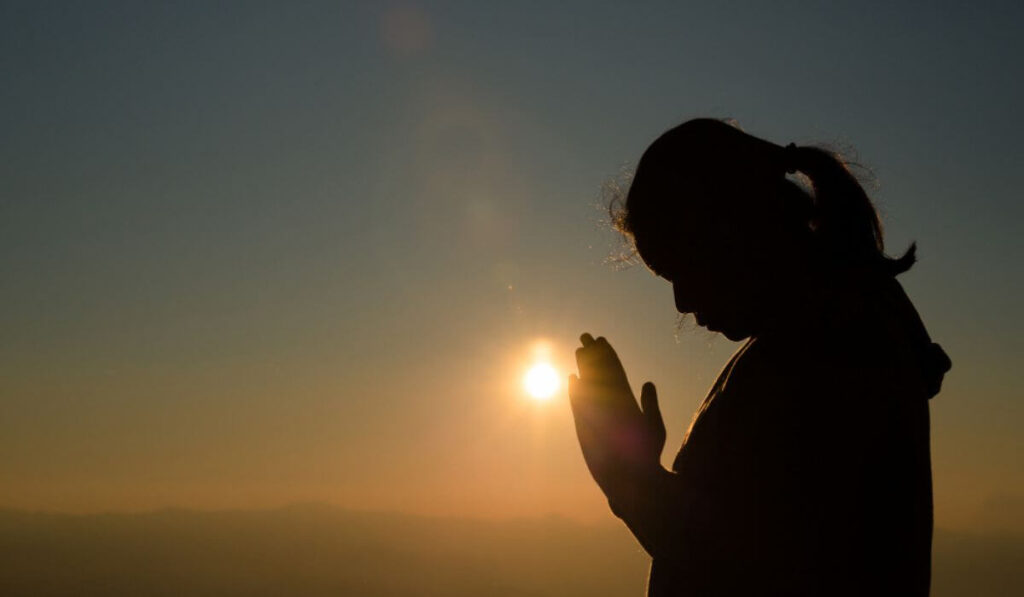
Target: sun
[{"x": 541, "y": 381}]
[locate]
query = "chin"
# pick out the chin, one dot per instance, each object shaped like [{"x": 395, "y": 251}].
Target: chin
[
  {"x": 733, "y": 328},
  {"x": 735, "y": 334}
]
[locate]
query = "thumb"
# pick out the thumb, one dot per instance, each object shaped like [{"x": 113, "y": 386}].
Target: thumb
[{"x": 649, "y": 406}]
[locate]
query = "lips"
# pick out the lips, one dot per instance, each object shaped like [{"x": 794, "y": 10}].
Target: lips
[{"x": 702, "y": 320}]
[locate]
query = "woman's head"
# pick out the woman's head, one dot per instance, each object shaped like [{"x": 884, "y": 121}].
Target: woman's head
[{"x": 711, "y": 210}]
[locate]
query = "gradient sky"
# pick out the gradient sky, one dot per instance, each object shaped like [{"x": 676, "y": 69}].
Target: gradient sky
[{"x": 257, "y": 253}]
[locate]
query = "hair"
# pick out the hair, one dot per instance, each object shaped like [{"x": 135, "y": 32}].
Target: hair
[{"x": 712, "y": 155}]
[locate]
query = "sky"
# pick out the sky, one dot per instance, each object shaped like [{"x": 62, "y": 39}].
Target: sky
[{"x": 259, "y": 253}]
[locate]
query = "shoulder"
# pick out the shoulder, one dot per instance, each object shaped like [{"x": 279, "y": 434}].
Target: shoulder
[
  {"x": 852, "y": 343},
  {"x": 875, "y": 333}
]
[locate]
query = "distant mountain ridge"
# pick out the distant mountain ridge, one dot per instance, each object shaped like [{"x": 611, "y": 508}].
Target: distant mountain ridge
[{"x": 319, "y": 550}]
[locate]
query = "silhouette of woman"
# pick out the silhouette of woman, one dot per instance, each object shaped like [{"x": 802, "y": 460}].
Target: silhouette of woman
[{"x": 806, "y": 470}]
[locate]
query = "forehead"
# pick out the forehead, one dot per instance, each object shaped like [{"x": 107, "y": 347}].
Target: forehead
[{"x": 673, "y": 256}]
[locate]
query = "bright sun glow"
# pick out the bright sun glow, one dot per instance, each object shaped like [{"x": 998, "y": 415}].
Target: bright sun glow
[{"x": 541, "y": 381}]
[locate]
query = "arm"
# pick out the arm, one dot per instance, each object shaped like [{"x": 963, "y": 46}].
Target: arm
[{"x": 650, "y": 507}]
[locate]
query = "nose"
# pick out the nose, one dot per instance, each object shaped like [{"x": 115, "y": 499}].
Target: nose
[{"x": 681, "y": 303}]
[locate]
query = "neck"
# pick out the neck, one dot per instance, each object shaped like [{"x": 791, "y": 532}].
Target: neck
[{"x": 799, "y": 293}]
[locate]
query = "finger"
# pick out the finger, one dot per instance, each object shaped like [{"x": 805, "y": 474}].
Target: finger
[
  {"x": 651, "y": 410},
  {"x": 592, "y": 442},
  {"x": 582, "y": 412},
  {"x": 590, "y": 403},
  {"x": 581, "y": 397},
  {"x": 586, "y": 339},
  {"x": 649, "y": 398},
  {"x": 597, "y": 362},
  {"x": 578, "y": 399}
]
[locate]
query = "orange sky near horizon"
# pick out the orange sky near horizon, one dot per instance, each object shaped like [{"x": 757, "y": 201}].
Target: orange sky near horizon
[{"x": 263, "y": 255}]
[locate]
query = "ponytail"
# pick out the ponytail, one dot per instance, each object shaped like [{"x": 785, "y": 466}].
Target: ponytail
[{"x": 843, "y": 218}]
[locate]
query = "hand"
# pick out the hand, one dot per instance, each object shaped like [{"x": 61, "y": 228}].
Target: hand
[{"x": 619, "y": 439}]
